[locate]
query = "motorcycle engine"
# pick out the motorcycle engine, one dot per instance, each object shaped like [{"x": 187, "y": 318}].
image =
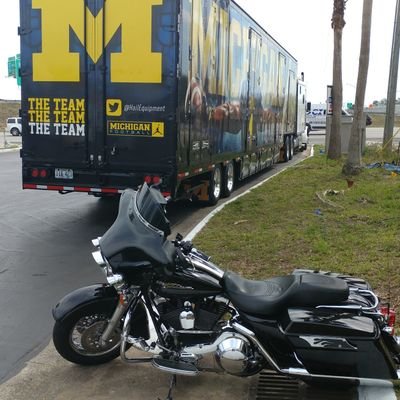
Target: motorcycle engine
[
  {"x": 201, "y": 327},
  {"x": 186, "y": 314}
]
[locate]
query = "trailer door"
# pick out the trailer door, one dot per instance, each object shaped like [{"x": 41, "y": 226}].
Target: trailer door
[
  {"x": 55, "y": 71},
  {"x": 99, "y": 83},
  {"x": 136, "y": 100}
]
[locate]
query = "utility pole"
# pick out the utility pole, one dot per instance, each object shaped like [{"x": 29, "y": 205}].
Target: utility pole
[{"x": 392, "y": 85}]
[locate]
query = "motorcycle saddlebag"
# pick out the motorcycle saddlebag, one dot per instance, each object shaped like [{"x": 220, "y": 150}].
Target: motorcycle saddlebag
[{"x": 338, "y": 344}]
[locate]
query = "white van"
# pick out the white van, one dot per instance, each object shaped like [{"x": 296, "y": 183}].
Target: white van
[
  {"x": 316, "y": 116},
  {"x": 14, "y": 126}
]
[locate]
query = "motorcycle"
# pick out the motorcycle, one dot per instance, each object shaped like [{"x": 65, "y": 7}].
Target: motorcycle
[{"x": 168, "y": 299}]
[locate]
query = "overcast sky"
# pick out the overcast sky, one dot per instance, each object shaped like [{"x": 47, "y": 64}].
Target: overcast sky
[{"x": 301, "y": 26}]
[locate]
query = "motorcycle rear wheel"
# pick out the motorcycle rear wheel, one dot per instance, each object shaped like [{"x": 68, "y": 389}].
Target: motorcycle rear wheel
[{"x": 77, "y": 336}]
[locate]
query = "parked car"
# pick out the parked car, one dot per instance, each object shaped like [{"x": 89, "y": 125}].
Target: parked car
[{"x": 14, "y": 126}]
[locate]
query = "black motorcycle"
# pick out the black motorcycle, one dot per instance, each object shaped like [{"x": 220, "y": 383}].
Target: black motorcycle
[{"x": 167, "y": 299}]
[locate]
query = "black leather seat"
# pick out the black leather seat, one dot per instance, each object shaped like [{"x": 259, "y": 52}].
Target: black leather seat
[{"x": 266, "y": 298}]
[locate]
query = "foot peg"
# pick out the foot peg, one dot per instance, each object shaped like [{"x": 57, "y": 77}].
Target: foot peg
[{"x": 175, "y": 367}]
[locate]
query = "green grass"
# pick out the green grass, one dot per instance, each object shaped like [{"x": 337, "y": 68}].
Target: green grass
[
  {"x": 378, "y": 120},
  {"x": 288, "y": 223}
]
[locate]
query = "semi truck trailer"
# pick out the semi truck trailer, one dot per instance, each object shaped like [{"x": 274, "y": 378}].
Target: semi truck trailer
[{"x": 189, "y": 95}]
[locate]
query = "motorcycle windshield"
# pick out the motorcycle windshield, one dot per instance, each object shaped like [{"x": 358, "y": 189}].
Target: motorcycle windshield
[
  {"x": 140, "y": 230},
  {"x": 151, "y": 207}
]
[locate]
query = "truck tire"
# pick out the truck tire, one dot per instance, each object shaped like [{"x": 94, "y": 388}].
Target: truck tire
[
  {"x": 228, "y": 181},
  {"x": 215, "y": 186},
  {"x": 286, "y": 149},
  {"x": 291, "y": 141},
  {"x": 15, "y": 132}
]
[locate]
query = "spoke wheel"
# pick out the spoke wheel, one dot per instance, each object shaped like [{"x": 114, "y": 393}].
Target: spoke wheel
[
  {"x": 86, "y": 335},
  {"x": 77, "y": 337}
]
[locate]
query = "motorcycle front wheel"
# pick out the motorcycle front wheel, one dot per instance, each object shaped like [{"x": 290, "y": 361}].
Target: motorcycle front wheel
[{"x": 77, "y": 336}]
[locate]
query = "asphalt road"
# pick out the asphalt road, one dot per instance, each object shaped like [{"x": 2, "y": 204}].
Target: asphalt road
[{"x": 45, "y": 252}]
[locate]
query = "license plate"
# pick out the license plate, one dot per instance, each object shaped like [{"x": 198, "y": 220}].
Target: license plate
[{"x": 64, "y": 173}]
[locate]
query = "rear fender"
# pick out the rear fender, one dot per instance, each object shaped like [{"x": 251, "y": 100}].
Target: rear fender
[{"x": 83, "y": 296}]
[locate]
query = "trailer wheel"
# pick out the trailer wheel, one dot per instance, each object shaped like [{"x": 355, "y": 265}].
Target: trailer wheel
[
  {"x": 286, "y": 149},
  {"x": 291, "y": 141},
  {"x": 215, "y": 186},
  {"x": 228, "y": 182}
]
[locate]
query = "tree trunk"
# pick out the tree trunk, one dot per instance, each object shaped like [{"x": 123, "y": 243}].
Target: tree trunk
[
  {"x": 338, "y": 23},
  {"x": 392, "y": 84},
  {"x": 353, "y": 162}
]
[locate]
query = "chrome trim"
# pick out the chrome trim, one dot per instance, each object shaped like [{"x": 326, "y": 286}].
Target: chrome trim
[
  {"x": 251, "y": 335},
  {"x": 173, "y": 370},
  {"x": 114, "y": 279},
  {"x": 206, "y": 266},
  {"x": 124, "y": 341},
  {"x": 96, "y": 242},
  {"x": 328, "y": 342},
  {"x": 114, "y": 321},
  {"x": 202, "y": 349},
  {"x": 364, "y": 293},
  {"x": 388, "y": 329},
  {"x": 98, "y": 257}
]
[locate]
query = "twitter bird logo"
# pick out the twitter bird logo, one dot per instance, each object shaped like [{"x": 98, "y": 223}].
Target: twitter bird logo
[{"x": 114, "y": 107}]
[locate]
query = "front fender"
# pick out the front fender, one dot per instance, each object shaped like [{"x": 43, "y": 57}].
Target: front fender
[{"x": 82, "y": 296}]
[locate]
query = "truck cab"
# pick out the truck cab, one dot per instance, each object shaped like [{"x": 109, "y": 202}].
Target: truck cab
[{"x": 316, "y": 116}]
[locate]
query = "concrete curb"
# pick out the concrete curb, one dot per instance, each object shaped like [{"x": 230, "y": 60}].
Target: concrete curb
[{"x": 6, "y": 150}]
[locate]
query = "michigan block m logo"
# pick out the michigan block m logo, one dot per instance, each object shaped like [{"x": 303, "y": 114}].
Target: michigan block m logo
[{"x": 136, "y": 63}]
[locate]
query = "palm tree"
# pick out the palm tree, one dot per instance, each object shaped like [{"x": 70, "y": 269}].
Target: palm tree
[
  {"x": 352, "y": 165},
  {"x": 338, "y": 23}
]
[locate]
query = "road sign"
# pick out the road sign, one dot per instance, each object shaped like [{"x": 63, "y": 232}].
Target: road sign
[
  {"x": 14, "y": 66},
  {"x": 18, "y": 68},
  {"x": 11, "y": 67}
]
